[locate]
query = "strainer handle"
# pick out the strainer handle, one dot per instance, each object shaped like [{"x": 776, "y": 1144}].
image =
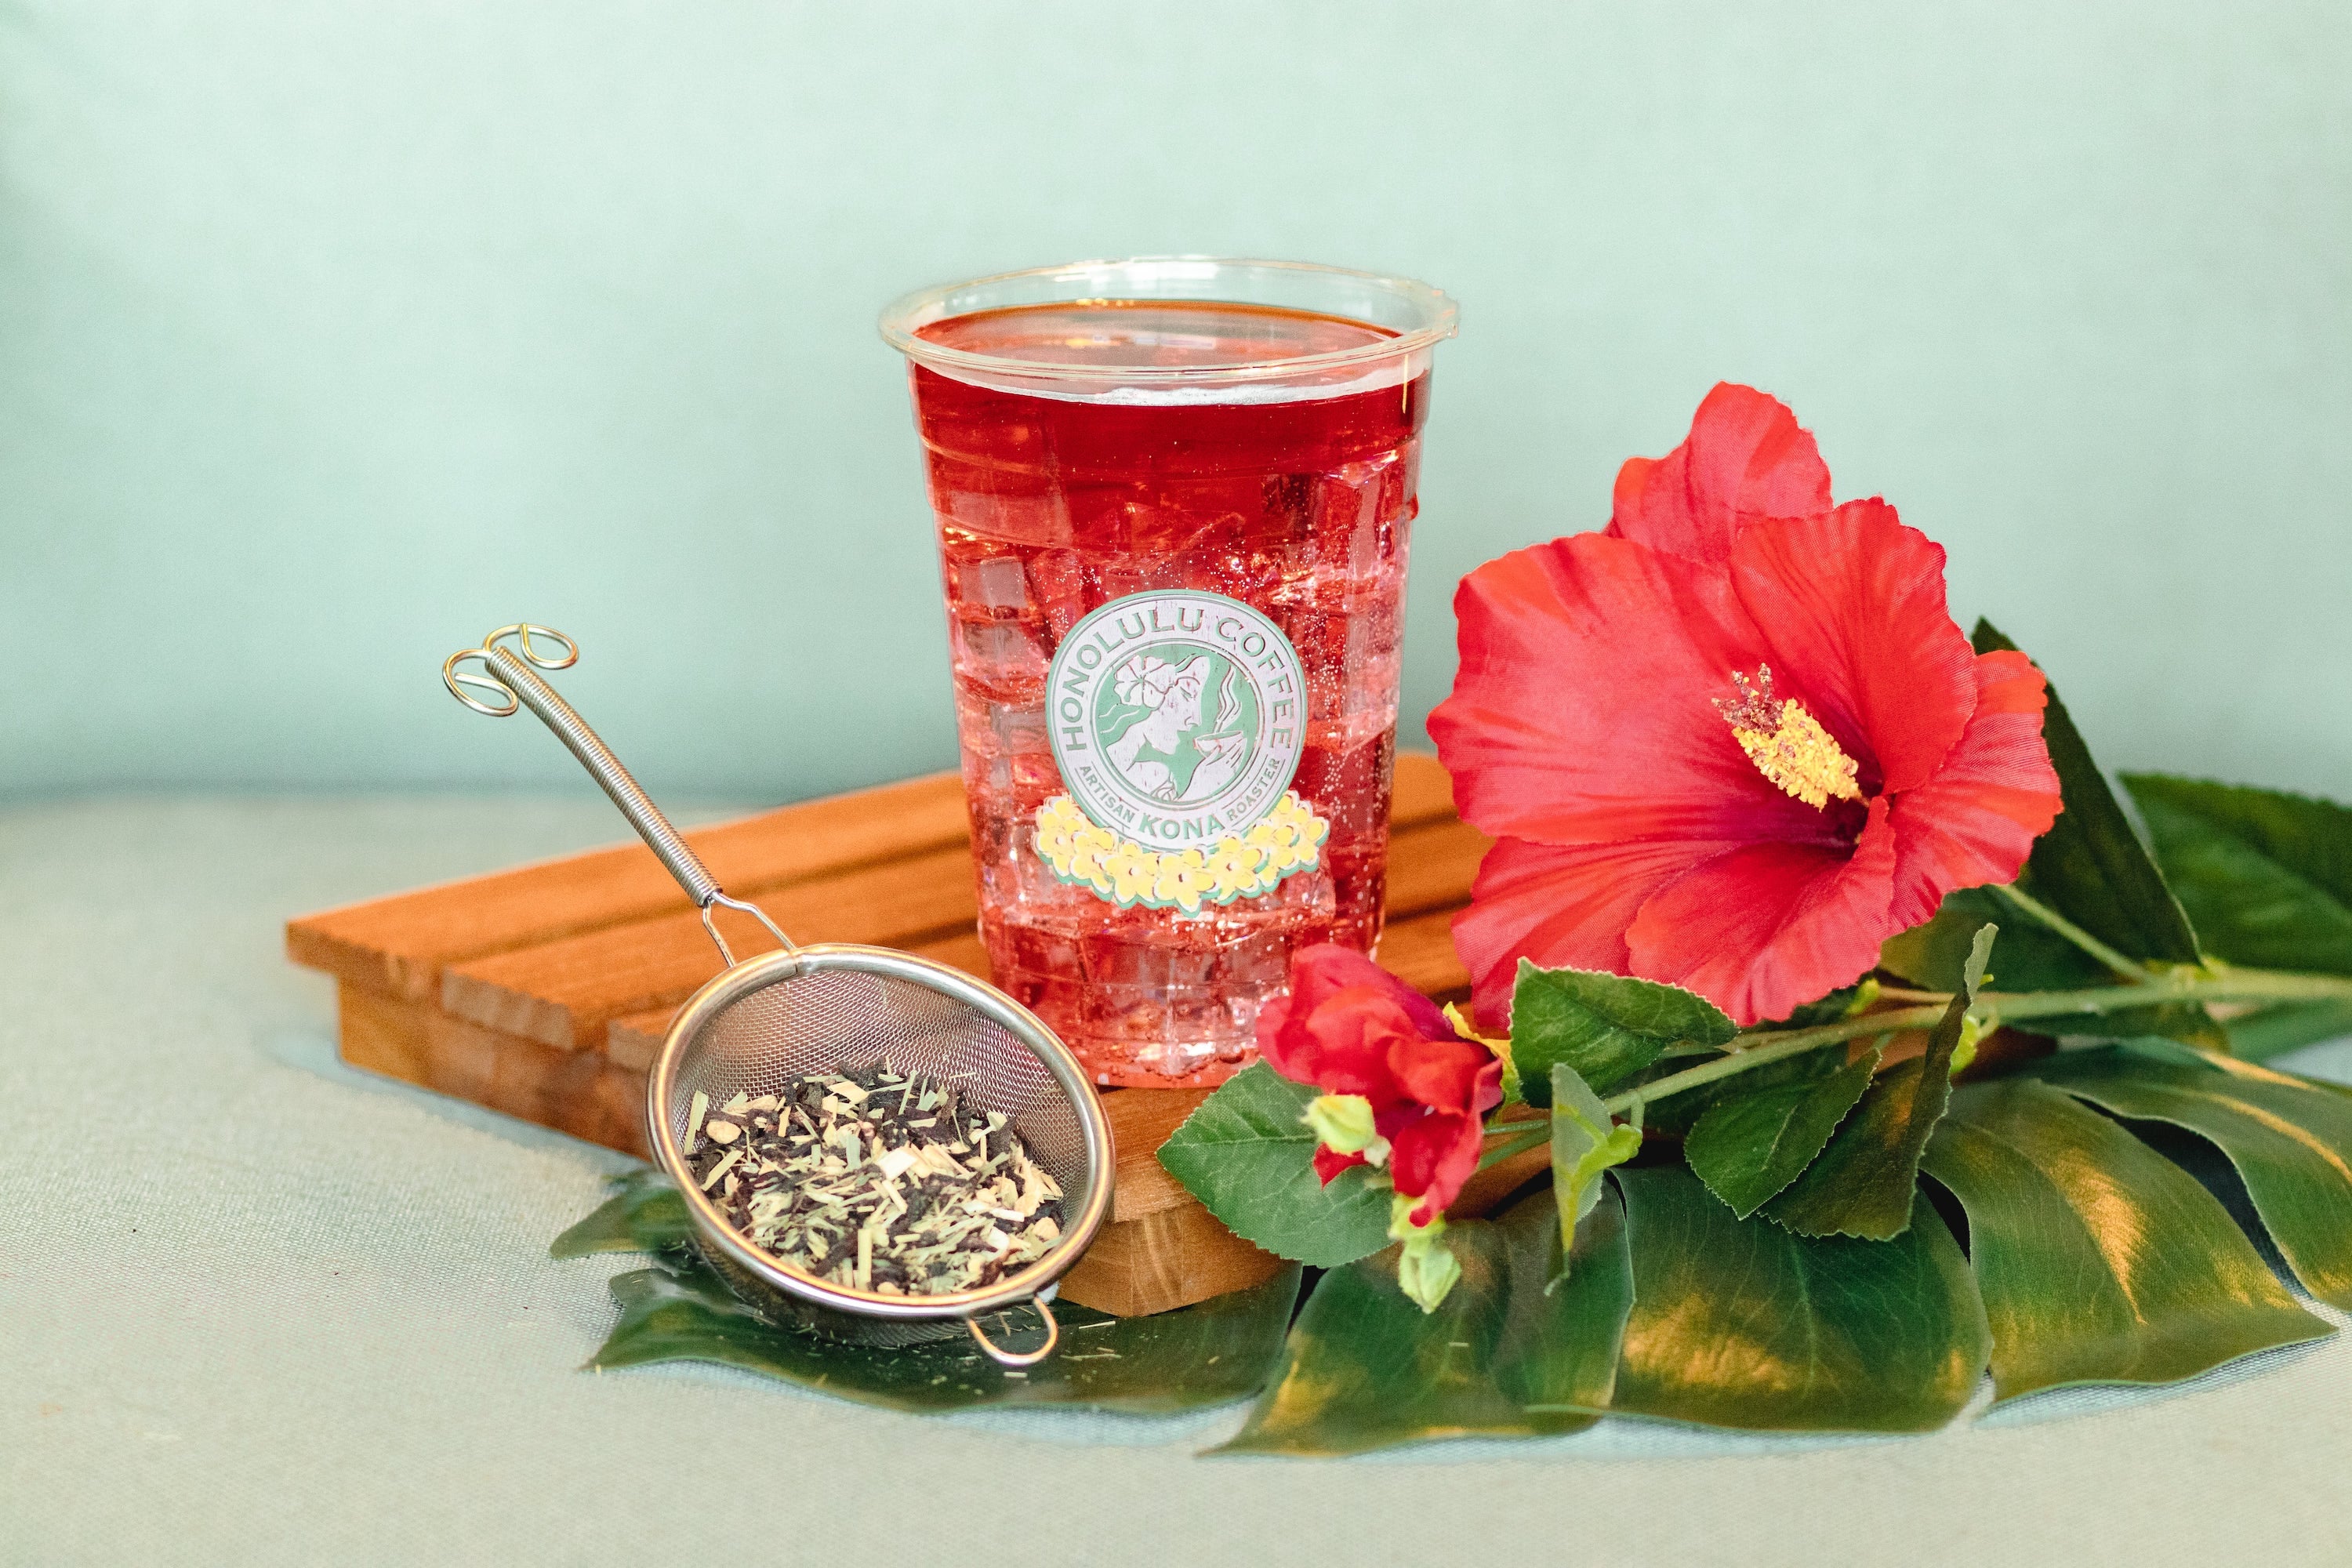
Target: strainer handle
[
  {"x": 510, "y": 676},
  {"x": 1003, "y": 1357}
]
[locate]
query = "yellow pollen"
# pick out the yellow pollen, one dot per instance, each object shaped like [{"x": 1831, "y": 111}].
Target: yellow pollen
[{"x": 1788, "y": 744}]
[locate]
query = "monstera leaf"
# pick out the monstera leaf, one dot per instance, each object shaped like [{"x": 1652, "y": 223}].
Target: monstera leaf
[
  {"x": 2288, "y": 1140},
  {"x": 2099, "y": 1260},
  {"x": 679, "y": 1310},
  {"x": 1745, "y": 1324},
  {"x": 2091, "y": 867},
  {"x": 2092, "y": 870},
  {"x": 2091, "y": 1258},
  {"x": 1508, "y": 1353},
  {"x": 644, "y": 1214},
  {"x": 2268, "y": 874}
]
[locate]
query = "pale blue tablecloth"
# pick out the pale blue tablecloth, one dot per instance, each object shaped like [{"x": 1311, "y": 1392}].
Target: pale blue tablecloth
[{"x": 257, "y": 1307}]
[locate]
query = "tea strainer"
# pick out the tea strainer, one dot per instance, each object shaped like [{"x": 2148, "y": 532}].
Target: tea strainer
[{"x": 820, "y": 1008}]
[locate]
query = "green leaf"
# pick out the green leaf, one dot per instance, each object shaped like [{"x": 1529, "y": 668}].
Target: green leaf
[
  {"x": 1607, "y": 1026},
  {"x": 644, "y": 1214},
  {"x": 2099, "y": 1260},
  {"x": 1740, "y": 1323},
  {"x": 1501, "y": 1356},
  {"x": 2027, "y": 956},
  {"x": 1748, "y": 1147},
  {"x": 1585, "y": 1142},
  {"x": 1247, "y": 1156},
  {"x": 1862, "y": 1182},
  {"x": 1220, "y": 1349},
  {"x": 2092, "y": 868},
  {"x": 2268, "y": 1032},
  {"x": 1841, "y": 1003},
  {"x": 2090, "y": 865},
  {"x": 2291, "y": 1144},
  {"x": 2266, "y": 875}
]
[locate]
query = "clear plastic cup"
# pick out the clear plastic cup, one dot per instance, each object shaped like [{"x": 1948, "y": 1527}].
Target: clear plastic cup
[{"x": 1175, "y": 496}]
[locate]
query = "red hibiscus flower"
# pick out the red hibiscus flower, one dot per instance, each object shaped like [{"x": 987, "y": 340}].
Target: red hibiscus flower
[
  {"x": 1351, "y": 1027},
  {"x": 1735, "y": 741}
]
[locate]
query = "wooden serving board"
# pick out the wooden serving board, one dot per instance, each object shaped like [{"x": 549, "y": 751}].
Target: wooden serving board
[{"x": 543, "y": 992}]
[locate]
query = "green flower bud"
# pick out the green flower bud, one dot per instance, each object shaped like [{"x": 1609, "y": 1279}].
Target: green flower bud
[
  {"x": 1343, "y": 1123},
  {"x": 1971, "y": 1030},
  {"x": 1426, "y": 1267},
  {"x": 1401, "y": 1226},
  {"x": 1426, "y": 1274}
]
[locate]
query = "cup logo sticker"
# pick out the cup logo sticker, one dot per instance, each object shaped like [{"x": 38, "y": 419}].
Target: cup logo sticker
[{"x": 1177, "y": 719}]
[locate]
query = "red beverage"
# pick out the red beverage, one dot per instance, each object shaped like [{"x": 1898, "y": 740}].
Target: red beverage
[{"x": 1200, "y": 782}]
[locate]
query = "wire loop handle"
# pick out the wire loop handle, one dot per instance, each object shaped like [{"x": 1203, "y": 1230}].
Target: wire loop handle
[
  {"x": 1003, "y": 1357},
  {"x": 456, "y": 680},
  {"x": 504, "y": 703},
  {"x": 522, "y": 630},
  {"x": 507, "y": 673}
]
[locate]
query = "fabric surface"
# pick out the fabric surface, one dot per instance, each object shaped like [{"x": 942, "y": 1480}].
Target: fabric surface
[{"x": 257, "y": 1307}]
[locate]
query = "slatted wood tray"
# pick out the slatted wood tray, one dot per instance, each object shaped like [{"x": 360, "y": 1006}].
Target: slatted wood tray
[{"x": 543, "y": 992}]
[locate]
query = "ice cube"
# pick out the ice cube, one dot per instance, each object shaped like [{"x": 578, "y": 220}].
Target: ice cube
[
  {"x": 1002, "y": 514},
  {"x": 1001, "y": 659},
  {"x": 996, "y": 581},
  {"x": 1018, "y": 726}
]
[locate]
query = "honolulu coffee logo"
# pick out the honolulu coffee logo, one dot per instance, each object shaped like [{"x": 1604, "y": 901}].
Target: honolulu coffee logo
[{"x": 1178, "y": 716}]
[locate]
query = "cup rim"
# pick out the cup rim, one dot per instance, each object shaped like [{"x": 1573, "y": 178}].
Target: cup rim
[{"x": 1436, "y": 314}]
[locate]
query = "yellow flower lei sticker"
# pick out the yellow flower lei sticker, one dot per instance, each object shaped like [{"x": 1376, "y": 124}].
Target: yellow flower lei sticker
[{"x": 1238, "y": 866}]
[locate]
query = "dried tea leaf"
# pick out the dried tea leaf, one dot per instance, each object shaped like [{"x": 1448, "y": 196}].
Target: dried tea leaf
[{"x": 855, "y": 1177}]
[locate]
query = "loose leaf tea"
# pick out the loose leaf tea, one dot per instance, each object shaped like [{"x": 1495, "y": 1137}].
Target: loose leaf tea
[{"x": 877, "y": 1180}]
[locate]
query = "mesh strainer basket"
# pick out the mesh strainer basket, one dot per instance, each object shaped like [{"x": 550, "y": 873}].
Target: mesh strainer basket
[{"x": 823, "y": 1008}]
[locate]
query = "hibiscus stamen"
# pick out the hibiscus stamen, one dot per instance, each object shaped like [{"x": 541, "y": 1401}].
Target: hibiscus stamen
[{"x": 1787, "y": 745}]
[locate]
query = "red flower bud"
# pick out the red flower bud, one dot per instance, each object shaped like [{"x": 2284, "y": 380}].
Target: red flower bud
[{"x": 1349, "y": 1026}]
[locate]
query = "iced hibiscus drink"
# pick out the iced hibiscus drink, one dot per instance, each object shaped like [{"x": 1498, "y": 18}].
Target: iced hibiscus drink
[{"x": 1173, "y": 536}]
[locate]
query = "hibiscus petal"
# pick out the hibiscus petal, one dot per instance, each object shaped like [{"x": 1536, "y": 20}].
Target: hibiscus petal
[
  {"x": 1445, "y": 1075},
  {"x": 1343, "y": 1020},
  {"x": 1321, "y": 970},
  {"x": 1633, "y": 477},
  {"x": 1582, "y": 711},
  {"x": 1976, "y": 819},
  {"x": 1432, "y": 1156},
  {"x": 1329, "y": 1162},
  {"x": 1344, "y": 1044},
  {"x": 1853, "y": 607},
  {"x": 1746, "y": 459},
  {"x": 1317, "y": 972},
  {"x": 1769, "y": 927},
  {"x": 1561, "y": 907}
]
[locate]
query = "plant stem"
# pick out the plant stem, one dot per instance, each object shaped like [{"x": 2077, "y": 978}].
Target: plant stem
[
  {"x": 1537, "y": 1131},
  {"x": 2043, "y": 912},
  {"x": 1793, "y": 1043},
  {"x": 1995, "y": 1008},
  {"x": 2228, "y": 986}
]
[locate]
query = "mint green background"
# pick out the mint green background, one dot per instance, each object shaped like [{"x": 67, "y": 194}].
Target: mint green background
[{"x": 332, "y": 334}]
